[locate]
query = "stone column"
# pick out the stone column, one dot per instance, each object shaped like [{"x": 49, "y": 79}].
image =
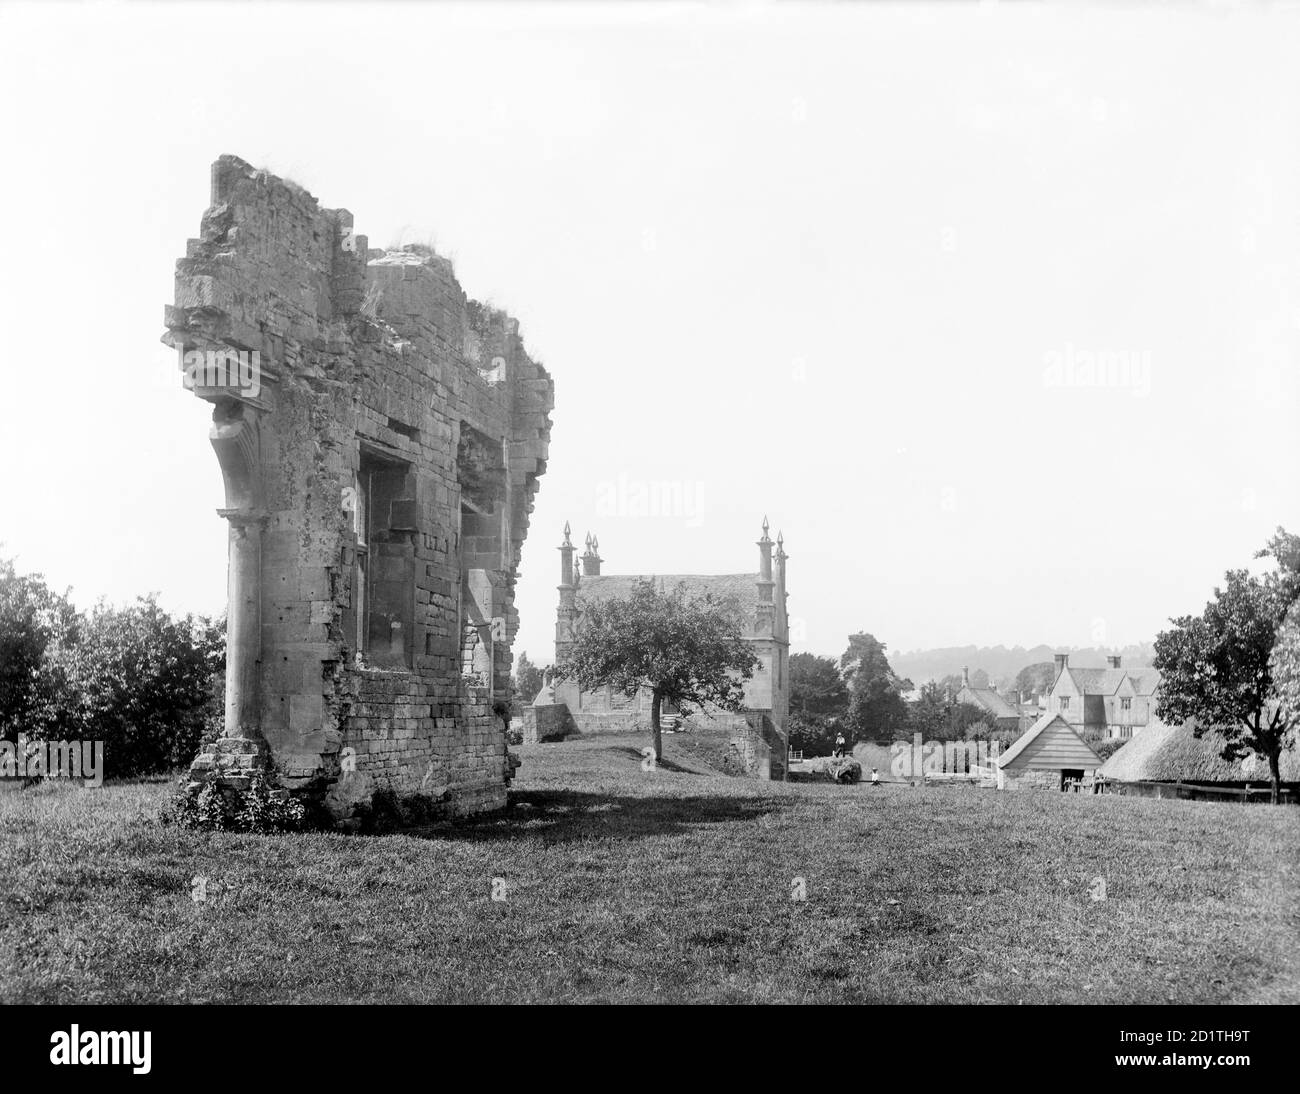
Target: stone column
[
  {"x": 241, "y": 751},
  {"x": 243, "y": 623}
]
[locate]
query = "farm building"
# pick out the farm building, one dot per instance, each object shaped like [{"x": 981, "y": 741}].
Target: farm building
[
  {"x": 1170, "y": 760},
  {"x": 1050, "y": 753}
]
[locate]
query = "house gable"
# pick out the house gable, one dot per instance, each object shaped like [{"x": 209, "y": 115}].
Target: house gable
[
  {"x": 1052, "y": 745},
  {"x": 1065, "y": 686}
]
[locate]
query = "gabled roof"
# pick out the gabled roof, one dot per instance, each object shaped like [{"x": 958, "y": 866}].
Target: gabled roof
[
  {"x": 990, "y": 700},
  {"x": 1097, "y": 681},
  {"x": 1108, "y": 681},
  {"x": 1145, "y": 680},
  {"x": 1029, "y": 736},
  {"x": 742, "y": 588}
]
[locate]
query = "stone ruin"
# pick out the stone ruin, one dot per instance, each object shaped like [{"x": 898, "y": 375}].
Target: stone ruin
[{"x": 380, "y": 437}]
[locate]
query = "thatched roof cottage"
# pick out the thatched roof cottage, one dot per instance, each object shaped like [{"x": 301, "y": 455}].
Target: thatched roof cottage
[{"x": 1173, "y": 754}]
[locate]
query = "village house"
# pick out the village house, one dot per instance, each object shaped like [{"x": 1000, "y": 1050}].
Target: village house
[
  {"x": 1003, "y": 714},
  {"x": 757, "y": 734},
  {"x": 1112, "y": 702}
]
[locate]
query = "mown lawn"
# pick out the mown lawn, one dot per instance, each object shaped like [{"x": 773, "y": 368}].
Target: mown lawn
[{"x": 671, "y": 885}]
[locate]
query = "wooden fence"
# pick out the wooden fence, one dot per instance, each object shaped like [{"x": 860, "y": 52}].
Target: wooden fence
[{"x": 1197, "y": 792}]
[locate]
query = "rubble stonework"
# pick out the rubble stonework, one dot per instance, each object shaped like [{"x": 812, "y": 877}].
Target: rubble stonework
[{"x": 379, "y": 477}]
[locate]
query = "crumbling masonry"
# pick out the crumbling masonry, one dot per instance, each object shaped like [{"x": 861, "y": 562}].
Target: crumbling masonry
[{"x": 380, "y": 437}]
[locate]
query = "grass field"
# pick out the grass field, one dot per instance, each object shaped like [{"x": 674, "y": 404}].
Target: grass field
[{"x": 670, "y": 885}]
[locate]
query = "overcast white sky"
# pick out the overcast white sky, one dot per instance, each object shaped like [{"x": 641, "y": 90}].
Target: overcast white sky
[{"x": 837, "y": 265}]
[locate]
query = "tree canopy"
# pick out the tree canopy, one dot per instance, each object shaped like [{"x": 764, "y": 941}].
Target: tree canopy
[
  {"x": 819, "y": 703},
  {"x": 528, "y": 679},
  {"x": 32, "y": 617},
  {"x": 1218, "y": 668},
  {"x": 146, "y": 683},
  {"x": 1037, "y": 679},
  {"x": 686, "y": 650},
  {"x": 877, "y": 709}
]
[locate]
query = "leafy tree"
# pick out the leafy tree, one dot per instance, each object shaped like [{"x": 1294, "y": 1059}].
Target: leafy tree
[
  {"x": 686, "y": 651},
  {"x": 928, "y": 714},
  {"x": 527, "y": 682},
  {"x": 877, "y": 709},
  {"x": 937, "y": 717},
  {"x": 1036, "y": 679},
  {"x": 1107, "y": 747},
  {"x": 31, "y": 618},
  {"x": 1218, "y": 668},
  {"x": 1286, "y": 660},
  {"x": 142, "y": 681},
  {"x": 819, "y": 701},
  {"x": 817, "y": 689},
  {"x": 813, "y": 735},
  {"x": 1286, "y": 653},
  {"x": 969, "y": 722},
  {"x": 948, "y": 685}
]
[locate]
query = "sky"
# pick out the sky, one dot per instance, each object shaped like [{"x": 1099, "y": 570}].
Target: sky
[{"x": 992, "y": 309}]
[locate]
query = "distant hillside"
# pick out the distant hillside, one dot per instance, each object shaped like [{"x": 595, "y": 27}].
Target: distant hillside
[{"x": 1003, "y": 663}]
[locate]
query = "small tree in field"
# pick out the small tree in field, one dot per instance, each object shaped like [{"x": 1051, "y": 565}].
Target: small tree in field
[
  {"x": 1219, "y": 667},
  {"x": 686, "y": 651}
]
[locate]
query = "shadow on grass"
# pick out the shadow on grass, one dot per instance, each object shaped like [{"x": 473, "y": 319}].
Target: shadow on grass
[
  {"x": 664, "y": 764},
  {"x": 560, "y": 816}
]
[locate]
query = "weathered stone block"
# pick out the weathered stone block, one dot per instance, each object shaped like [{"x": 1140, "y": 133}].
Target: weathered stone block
[{"x": 371, "y": 437}]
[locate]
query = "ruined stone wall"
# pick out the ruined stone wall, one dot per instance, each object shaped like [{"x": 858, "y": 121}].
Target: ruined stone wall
[
  {"x": 547, "y": 723},
  {"x": 379, "y": 484}
]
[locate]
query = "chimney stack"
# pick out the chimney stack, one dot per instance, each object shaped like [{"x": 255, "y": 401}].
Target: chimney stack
[
  {"x": 965, "y": 677},
  {"x": 1062, "y": 663},
  {"x": 591, "y": 559},
  {"x": 1113, "y": 661}
]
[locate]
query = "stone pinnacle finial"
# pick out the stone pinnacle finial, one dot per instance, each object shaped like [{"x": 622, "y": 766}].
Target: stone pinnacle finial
[
  {"x": 587, "y": 541},
  {"x": 595, "y": 543},
  {"x": 780, "y": 538},
  {"x": 567, "y": 541},
  {"x": 765, "y": 526}
]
